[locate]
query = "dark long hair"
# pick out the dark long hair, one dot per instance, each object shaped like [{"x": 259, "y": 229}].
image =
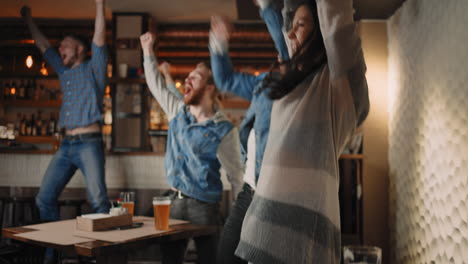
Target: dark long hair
[{"x": 307, "y": 59}]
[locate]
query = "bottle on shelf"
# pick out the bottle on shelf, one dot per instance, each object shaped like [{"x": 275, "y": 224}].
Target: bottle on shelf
[
  {"x": 23, "y": 125},
  {"x": 52, "y": 125},
  {"x": 22, "y": 90},
  {"x": 17, "y": 124},
  {"x": 43, "y": 93},
  {"x": 28, "y": 127},
  {"x": 13, "y": 90},
  {"x": 33, "y": 126},
  {"x": 107, "y": 107},
  {"x": 38, "y": 124},
  {"x": 44, "y": 126}
]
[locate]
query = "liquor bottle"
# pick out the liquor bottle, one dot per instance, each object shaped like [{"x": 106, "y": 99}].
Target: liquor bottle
[
  {"x": 38, "y": 124},
  {"x": 33, "y": 126},
  {"x": 28, "y": 127},
  {"x": 17, "y": 124},
  {"x": 23, "y": 126},
  {"x": 107, "y": 103},
  {"x": 52, "y": 125},
  {"x": 21, "y": 91},
  {"x": 13, "y": 90},
  {"x": 44, "y": 126}
]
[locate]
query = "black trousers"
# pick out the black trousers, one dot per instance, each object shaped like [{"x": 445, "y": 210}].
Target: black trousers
[
  {"x": 197, "y": 212},
  {"x": 230, "y": 236}
]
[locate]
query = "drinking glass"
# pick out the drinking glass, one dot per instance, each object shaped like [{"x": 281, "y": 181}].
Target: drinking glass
[
  {"x": 362, "y": 255},
  {"x": 161, "y": 209},
  {"x": 127, "y": 200}
]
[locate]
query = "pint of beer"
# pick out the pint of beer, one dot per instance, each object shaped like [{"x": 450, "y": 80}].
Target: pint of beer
[
  {"x": 161, "y": 209},
  {"x": 127, "y": 200},
  {"x": 130, "y": 206}
]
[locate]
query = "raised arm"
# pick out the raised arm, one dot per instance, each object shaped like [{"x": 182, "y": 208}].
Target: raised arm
[
  {"x": 164, "y": 68},
  {"x": 225, "y": 78},
  {"x": 168, "y": 102},
  {"x": 271, "y": 14},
  {"x": 339, "y": 31},
  {"x": 344, "y": 51},
  {"x": 99, "y": 37},
  {"x": 39, "y": 39}
]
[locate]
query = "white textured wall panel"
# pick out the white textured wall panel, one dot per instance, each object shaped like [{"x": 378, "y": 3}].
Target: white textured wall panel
[
  {"x": 428, "y": 132},
  {"x": 122, "y": 171}
]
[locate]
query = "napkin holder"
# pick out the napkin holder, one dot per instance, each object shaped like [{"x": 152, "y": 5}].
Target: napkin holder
[{"x": 91, "y": 224}]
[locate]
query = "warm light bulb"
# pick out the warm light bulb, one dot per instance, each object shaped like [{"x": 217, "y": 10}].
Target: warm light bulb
[
  {"x": 43, "y": 70},
  {"x": 29, "y": 62},
  {"x": 256, "y": 73},
  {"x": 178, "y": 84},
  {"x": 108, "y": 90}
]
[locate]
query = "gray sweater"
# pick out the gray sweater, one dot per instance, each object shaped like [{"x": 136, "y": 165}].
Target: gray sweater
[{"x": 294, "y": 217}]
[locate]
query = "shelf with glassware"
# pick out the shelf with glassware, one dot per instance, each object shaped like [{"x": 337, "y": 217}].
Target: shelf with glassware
[
  {"x": 129, "y": 117},
  {"x": 128, "y": 91}
]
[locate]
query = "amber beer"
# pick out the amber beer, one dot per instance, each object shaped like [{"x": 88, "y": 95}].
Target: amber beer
[
  {"x": 127, "y": 200},
  {"x": 161, "y": 209},
  {"x": 129, "y": 205}
]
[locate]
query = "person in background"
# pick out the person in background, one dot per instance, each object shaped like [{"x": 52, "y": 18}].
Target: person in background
[
  {"x": 255, "y": 126},
  {"x": 200, "y": 141},
  {"x": 83, "y": 83},
  {"x": 319, "y": 102}
]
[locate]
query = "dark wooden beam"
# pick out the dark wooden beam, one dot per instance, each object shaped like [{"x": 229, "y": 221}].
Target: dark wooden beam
[{"x": 246, "y": 10}]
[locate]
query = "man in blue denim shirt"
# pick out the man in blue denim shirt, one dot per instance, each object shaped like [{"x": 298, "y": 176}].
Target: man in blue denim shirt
[
  {"x": 257, "y": 117},
  {"x": 200, "y": 141},
  {"x": 83, "y": 83}
]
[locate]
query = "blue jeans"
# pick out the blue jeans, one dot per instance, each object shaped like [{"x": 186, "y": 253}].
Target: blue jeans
[
  {"x": 230, "y": 236},
  {"x": 197, "y": 212},
  {"x": 84, "y": 152}
]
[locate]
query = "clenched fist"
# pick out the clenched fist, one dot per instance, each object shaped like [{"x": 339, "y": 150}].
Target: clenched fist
[
  {"x": 221, "y": 28},
  {"x": 147, "y": 40}
]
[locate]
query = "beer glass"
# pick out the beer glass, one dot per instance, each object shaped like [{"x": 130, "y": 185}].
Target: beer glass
[
  {"x": 161, "y": 209},
  {"x": 362, "y": 255},
  {"x": 127, "y": 200}
]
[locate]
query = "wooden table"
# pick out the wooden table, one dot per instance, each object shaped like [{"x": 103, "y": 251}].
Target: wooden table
[{"x": 116, "y": 252}]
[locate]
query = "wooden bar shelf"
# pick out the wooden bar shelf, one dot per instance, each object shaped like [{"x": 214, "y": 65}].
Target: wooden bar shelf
[
  {"x": 32, "y": 103},
  {"x": 39, "y": 140}
]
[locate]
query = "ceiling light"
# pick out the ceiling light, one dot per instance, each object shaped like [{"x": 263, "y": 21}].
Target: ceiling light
[{"x": 29, "y": 61}]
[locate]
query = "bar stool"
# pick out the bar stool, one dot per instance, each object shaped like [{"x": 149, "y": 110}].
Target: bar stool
[
  {"x": 12, "y": 213},
  {"x": 15, "y": 211}
]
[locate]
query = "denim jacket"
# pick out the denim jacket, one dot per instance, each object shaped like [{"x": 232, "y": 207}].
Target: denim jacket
[
  {"x": 192, "y": 165},
  {"x": 249, "y": 86}
]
